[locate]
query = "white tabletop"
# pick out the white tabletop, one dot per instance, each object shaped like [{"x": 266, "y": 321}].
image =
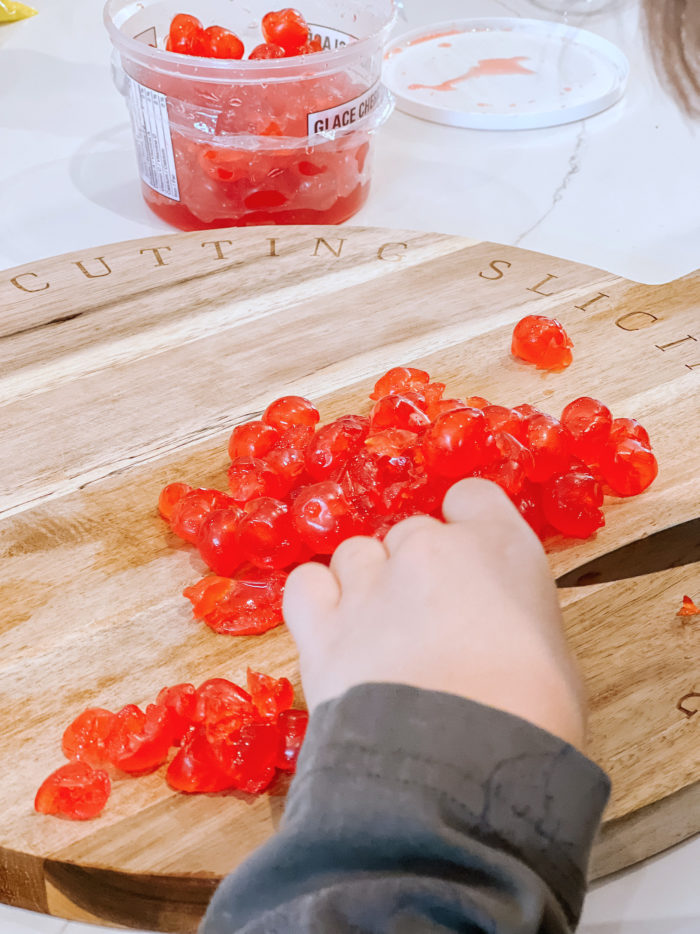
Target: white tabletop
[{"x": 620, "y": 190}]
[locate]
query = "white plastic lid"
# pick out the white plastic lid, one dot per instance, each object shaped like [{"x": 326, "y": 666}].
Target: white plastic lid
[{"x": 504, "y": 73}]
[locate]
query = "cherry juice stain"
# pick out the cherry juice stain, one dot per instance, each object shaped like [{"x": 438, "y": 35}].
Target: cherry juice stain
[{"x": 486, "y": 67}]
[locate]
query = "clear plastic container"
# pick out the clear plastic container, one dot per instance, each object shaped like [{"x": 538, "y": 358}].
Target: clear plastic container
[{"x": 222, "y": 142}]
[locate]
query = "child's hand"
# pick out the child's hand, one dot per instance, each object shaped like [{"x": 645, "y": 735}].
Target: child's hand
[{"x": 468, "y": 607}]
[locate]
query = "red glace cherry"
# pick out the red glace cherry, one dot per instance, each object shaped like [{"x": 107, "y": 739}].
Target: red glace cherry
[
  {"x": 222, "y": 43},
  {"x": 291, "y": 410},
  {"x": 542, "y": 341},
  {"x": 628, "y": 467},
  {"x": 286, "y": 28},
  {"x": 267, "y": 50},
  {"x": 571, "y": 503},
  {"x": 589, "y": 422},
  {"x": 86, "y": 737},
  {"x": 323, "y": 516},
  {"x": 75, "y": 790}
]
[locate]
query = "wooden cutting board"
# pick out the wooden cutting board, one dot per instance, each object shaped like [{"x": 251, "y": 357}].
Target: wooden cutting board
[{"x": 125, "y": 367}]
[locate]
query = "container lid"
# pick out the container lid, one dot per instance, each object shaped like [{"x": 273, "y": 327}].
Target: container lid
[{"x": 504, "y": 73}]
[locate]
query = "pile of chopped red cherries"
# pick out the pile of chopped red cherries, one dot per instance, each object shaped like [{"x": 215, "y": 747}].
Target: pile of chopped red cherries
[
  {"x": 226, "y": 738},
  {"x": 286, "y": 34},
  {"x": 297, "y": 489}
]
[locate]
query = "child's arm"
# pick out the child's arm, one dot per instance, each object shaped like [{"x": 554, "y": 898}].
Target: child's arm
[{"x": 415, "y": 810}]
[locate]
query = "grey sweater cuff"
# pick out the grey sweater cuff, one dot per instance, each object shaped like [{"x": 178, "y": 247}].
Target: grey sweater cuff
[{"x": 477, "y": 770}]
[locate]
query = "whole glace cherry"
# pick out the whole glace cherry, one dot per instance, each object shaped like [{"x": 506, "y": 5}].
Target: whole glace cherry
[
  {"x": 267, "y": 50},
  {"x": 291, "y": 410},
  {"x": 571, "y": 503},
  {"x": 458, "y": 443},
  {"x": 628, "y": 467},
  {"x": 542, "y": 341},
  {"x": 251, "y": 439},
  {"x": 625, "y": 429},
  {"x": 550, "y": 445},
  {"x": 323, "y": 516},
  {"x": 251, "y": 477},
  {"x": 170, "y": 495},
  {"x": 334, "y": 444},
  {"x": 589, "y": 422},
  {"x": 267, "y": 535},
  {"x": 286, "y": 28},
  {"x": 185, "y": 35},
  {"x": 218, "y": 542},
  {"x": 190, "y": 511},
  {"x": 222, "y": 43}
]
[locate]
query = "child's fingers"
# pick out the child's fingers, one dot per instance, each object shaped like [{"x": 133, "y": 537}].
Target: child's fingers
[
  {"x": 406, "y": 529},
  {"x": 357, "y": 560},
  {"x": 310, "y": 593},
  {"x": 474, "y": 498}
]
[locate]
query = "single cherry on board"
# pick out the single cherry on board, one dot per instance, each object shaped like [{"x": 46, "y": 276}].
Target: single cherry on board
[
  {"x": 75, "y": 790},
  {"x": 542, "y": 341}
]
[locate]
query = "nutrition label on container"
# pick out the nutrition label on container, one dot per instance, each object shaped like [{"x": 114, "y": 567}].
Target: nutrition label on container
[
  {"x": 154, "y": 146},
  {"x": 344, "y": 115}
]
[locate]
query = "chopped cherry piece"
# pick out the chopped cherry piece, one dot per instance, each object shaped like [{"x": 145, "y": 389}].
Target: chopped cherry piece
[
  {"x": 398, "y": 411},
  {"x": 286, "y": 28},
  {"x": 221, "y": 43},
  {"x": 308, "y": 48},
  {"x": 207, "y": 593},
  {"x": 138, "y": 741},
  {"x": 400, "y": 379},
  {"x": 86, "y": 737},
  {"x": 267, "y": 50},
  {"x": 75, "y": 790},
  {"x": 252, "y": 439},
  {"x": 589, "y": 423},
  {"x": 542, "y": 341},
  {"x": 191, "y": 510},
  {"x": 222, "y": 707},
  {"x": 292, "y": 726},
  {"x": 249, "y": 756},
  {"x": 269, "y": 695},
  {"x": 170, "y": 495},
  {"x": 181, "y": 701},
  {"x": 571, "y": 503},
  {"x": 248, "y": 605},
  {"x": 195, "y": 768},
  {"x": 688, "y": 608},
  {"x": 291, "y": 410},
  {"x": 267, "y": 536},
  {"x": 323, "y": 516},
  {"x": 628, "y": 467},
  {"x": 218, "y": 541}
]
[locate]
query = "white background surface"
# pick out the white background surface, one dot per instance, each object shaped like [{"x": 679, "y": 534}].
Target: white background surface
[{"x": 620, "y": 190}]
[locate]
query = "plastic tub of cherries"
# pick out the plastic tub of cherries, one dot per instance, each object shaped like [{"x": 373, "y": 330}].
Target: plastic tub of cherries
[{"x": 245, "y": 116}]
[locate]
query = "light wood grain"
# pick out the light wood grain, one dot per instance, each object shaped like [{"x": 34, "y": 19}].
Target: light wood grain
[{"x": 111, "y": 386}]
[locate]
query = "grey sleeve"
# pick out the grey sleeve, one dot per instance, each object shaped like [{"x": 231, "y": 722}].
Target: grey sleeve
[{"x": 414, "y": 812}]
